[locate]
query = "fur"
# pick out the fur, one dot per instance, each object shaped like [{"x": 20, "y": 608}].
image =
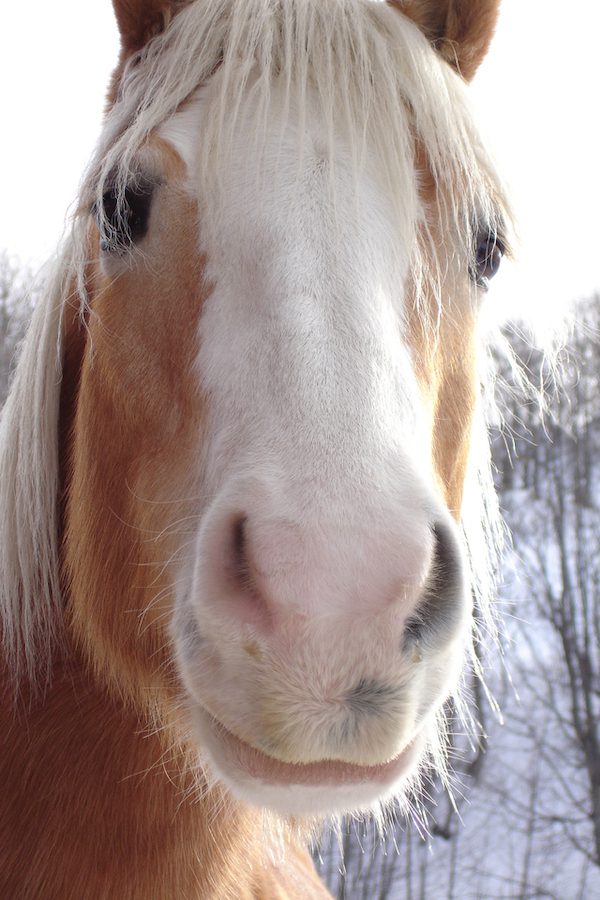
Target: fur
[{"x": 98, "y": 489}]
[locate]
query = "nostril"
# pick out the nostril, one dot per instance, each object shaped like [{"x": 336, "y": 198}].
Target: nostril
[
  {"x": 240, "y": 569},
  {"x": 244, "y": 595},
  {"x": 447, "y": 569},
  {"x": 441, "y": 608}
]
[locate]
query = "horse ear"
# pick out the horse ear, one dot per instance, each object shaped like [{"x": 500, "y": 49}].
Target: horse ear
[
  {"x": 141, "y": 20},
  {"x": 460, "y": 30}
]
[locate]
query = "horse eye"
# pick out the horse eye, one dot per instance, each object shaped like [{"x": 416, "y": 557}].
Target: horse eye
[
  {"x": 124, "y": 220},
  {"x": 489, "y": 250}
]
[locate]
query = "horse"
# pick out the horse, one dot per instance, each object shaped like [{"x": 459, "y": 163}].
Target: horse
[{"x": 244, "y": 486}]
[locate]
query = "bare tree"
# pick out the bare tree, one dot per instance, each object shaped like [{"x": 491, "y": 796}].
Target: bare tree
[{"x": 558, "y": 538}]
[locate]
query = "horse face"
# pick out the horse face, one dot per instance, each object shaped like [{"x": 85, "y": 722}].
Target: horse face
[{"x": 279, "y": 411}]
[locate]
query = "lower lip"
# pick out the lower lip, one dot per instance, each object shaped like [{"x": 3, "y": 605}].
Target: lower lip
[{"x": 326, "y": 773}]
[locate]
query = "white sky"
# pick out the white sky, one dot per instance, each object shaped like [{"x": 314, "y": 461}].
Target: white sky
[{"x": 537, "y": 96}]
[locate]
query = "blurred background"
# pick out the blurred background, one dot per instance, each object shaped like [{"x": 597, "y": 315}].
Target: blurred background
[{"x": 523, "y": 820}]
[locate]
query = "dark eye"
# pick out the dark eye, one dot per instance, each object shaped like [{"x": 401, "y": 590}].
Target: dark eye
[
  {"x": 489, "y": 250},
  {"x": 124, "y": 219}
]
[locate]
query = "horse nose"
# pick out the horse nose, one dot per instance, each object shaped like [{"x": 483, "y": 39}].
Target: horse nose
[{"x": 257, "y": 574}]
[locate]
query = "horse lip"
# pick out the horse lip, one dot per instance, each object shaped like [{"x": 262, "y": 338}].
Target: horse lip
[{"x": 259, "y": 766}]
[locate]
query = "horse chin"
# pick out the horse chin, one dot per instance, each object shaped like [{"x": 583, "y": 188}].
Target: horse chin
[{"x": 324, "y": 787}]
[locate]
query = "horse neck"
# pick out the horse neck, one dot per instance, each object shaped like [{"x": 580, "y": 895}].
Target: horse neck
[{"x": 94, "y": 807}]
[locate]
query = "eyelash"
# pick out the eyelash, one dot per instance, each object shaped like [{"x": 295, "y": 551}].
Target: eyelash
[
  {"x": 123, "y": 220},
  {"x": 488, "y": 252}
]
